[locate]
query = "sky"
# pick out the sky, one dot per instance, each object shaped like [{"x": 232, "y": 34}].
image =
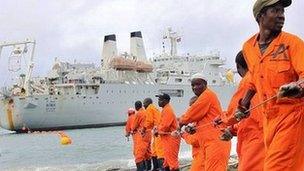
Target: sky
[{"x": 75, "y": 29}]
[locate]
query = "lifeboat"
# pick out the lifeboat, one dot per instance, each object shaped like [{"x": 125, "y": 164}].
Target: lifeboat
[
  {"x": 121, "y": 63},
  {"x": 143, "y": 67}
]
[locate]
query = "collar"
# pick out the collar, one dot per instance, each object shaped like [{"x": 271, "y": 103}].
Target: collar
[{"x": 275, "y": 41}]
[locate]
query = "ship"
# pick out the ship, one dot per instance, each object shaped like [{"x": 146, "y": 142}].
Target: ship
[{"x": 80, "y": 95}]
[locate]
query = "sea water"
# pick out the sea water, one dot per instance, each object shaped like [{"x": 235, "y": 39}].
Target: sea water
[{"x": 91, "y": 149}]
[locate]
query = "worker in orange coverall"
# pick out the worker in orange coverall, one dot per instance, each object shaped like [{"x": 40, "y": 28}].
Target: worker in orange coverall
[
  {"x": 153, "y": 120},
  {"x": 130, "y": 122},
  {"x": 142, "y": 138},
  {"x": 275, "y": 61},
  {"x": 250, "y": 140},
  {"x": 197, "y": 163},
  {"x": 202, "y": 112},
  {"x": 168, "y": 124},
  {"x": 129, "y": 125}
]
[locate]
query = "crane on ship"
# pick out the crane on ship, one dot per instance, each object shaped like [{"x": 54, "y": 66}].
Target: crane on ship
[{"x": 20, "y": 49}]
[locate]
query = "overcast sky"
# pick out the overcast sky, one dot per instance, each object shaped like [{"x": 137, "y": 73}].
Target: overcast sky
[{"x": 74, "y": 29}]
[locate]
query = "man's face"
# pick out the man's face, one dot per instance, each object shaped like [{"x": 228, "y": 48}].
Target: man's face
[
  {"x": 242, "y": 71},
  {"x": 162, "y": 102},
  {"x": 146, "y": 104},
  {"x": 274, "y": 18},
  {"x": 198, "y": 86}
]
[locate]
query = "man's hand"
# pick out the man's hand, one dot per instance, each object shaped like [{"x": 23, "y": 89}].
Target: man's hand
[
  {"x": 292, "y": 89},
  {"x": 179, "y": 123},
  {"x": 175, "y": 133},
  {"x": 127, "y": 134},
  {"x": 155, "y": 131},
  {"x": 190, "y": 128},
  {"x": 217, "y": 121},
  {"x": 143, "y": 131},
  {"x": 227, "y": 135},
  {"x": 241, "y": 111}
]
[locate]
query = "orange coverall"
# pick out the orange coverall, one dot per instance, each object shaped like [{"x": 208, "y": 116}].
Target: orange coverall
[
  {"x": 250, "y": 140},
  {"x": 128, "y": 128},
  {"x": 153, "y": 119},
  {"x": 197, "y": 154},
  {"x": 281, "y": 63},
  {"x": 130, "y": 122},
  {"x": 203, "y": 111},
  {"x": 170, "y": 144},
  {"x": 141, "y": 141}
]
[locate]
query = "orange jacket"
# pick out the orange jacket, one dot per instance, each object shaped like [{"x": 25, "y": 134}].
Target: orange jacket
[
  {"x": 203, "y": 112},
  {"x": 142, "y": 140},
  {"x": 256, "y": 115},
  {"x": 130, "y": 122},
  {"x": 281, "y": 63},
  {"x": 250, "y": 144},
  {"x": 139, "y": 121},
  {"x": 240, "y": 92},
  {"x": 168, "y": 123},
  {"x": 153, "y": 116},
  {"x": 228, "y": 116},
  {"x": 153, "y": 119}
]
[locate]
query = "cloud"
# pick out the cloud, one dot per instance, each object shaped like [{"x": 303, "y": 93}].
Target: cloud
[{"x": 75, "y": 29}]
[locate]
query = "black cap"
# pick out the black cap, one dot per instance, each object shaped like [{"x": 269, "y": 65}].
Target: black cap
[{"x": 163, "y": 96}]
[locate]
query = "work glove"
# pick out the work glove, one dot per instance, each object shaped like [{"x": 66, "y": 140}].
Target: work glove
[
  {"x": 155, "y": 131},
  {"x": 241, "y": 111},
  {"x": 217, "y": 121},
  {"x": 127, "y": 134},
  {"x": 190, "y": 128},
  {"x": 183, "y": 129},
  {"x": 292, "y": 89},
  {"x": 227, "y": 135}
]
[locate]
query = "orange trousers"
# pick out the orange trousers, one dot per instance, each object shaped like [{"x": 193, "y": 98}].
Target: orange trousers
[
  {"x": 171, "y": 148},
  {"x": 284, "y": 138},
  {"x": 141, "y": 147},
  {"x": 157, "y": 149},
  {"x": 216, "y": 155},
  {"x": 251, "y": 151},
  {"x": 197, "y": 163}
]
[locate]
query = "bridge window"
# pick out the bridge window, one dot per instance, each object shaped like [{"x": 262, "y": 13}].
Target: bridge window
[
  {"x": 172, "y": 92},
  {"x": 178, "y": 80}
]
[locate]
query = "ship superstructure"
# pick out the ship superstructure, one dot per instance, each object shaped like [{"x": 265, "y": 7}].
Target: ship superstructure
[{"x": 77, "y": 95}]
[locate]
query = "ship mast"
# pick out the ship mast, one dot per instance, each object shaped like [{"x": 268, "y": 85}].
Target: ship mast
[
  {"x": 174, "y": 38},
  {"x": 26, "y": 83}
]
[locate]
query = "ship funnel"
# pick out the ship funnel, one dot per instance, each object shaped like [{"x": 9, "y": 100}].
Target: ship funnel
[
  {"x": 137, "y": 49},
  {"x": 109, "y": 49}
]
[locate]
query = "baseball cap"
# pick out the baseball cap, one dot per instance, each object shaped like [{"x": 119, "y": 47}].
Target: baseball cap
[
  {"x": 163, "y": 96},
  {"x": 260, "y": 4}
]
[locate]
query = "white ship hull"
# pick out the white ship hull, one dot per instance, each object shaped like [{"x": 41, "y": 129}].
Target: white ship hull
[{"x": 107, "y": 108}]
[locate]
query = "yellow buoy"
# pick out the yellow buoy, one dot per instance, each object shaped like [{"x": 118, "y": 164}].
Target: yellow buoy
[{"x": 65, "y": 140}]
